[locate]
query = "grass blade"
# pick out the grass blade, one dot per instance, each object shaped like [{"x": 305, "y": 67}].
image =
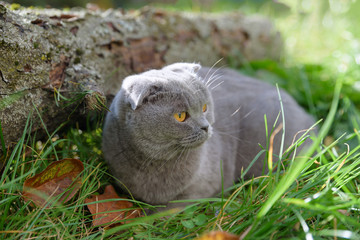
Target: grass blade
[{"x": 298, "y": 165}]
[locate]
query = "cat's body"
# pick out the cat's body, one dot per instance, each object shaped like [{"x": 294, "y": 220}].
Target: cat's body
[{"x": 159, "y": 158}]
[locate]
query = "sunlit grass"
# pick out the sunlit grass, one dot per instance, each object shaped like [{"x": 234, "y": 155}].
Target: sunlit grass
[
  {"x": 319, "y": 199},
  {"x": 316, "y": 199}
]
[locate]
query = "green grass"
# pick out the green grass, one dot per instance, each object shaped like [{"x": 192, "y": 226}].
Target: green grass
[
  {"x": 310, "y": 198},
  {"x": 322, "y": 202}
]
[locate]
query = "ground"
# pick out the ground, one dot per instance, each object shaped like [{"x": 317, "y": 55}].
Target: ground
[{"x": 315, "y": 198}]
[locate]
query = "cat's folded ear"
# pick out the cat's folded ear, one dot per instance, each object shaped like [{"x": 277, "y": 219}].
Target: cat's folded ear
[
  {"x": 183, "y": 67},
  {"x": 139, "y": 94}
]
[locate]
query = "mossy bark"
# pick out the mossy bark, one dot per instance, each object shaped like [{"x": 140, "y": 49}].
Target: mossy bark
[{"x": 62, "y": 62}]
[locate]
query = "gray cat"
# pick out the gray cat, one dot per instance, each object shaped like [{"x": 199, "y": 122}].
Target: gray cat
[{"x": 169, "y": 130}]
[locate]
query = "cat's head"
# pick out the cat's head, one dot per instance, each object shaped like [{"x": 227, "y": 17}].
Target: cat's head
[{"x": 168, "y": 109}]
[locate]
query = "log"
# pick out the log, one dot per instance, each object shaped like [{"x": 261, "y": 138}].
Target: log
[{"x": 61, "y": 64}]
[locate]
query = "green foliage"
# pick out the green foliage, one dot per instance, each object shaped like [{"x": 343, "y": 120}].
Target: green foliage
[
  {"x": 314, "y": 197},
  {"x": 306, "y": 198}
]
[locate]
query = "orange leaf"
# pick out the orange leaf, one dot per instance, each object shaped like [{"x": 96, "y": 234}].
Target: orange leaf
[
  {"x": 218, "y": 235},
  {"x": 105, "y": 212},
  {"x": 57, "y": 178}
]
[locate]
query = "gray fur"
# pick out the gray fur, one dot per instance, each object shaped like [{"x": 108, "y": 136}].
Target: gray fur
[{"x": 159, "y": 159}]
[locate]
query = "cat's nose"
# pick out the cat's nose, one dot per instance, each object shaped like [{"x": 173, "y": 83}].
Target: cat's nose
[{"x": 205, "y": 128}]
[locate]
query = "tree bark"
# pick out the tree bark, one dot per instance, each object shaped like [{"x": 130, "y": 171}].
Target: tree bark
[{"x": 62, "y": 64}]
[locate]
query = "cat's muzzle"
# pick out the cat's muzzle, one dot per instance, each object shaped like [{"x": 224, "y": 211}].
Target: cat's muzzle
[{"x": 196, "y": 140}]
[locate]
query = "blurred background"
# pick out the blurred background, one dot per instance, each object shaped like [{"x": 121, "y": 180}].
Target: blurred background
[
  {"x": 321, "y": 46},
  {"x": 322, "y": 31}
]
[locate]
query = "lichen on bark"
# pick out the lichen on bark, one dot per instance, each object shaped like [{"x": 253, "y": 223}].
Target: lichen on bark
[{"x": 50, "y": 53}]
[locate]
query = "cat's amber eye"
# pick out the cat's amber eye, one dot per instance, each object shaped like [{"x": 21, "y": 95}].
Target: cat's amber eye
[
  {"x": 204, "y": 108},
  {"x": 180, "y": 116}
]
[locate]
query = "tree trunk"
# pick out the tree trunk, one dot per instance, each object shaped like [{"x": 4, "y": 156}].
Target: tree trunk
[{"x": 61, "y": 64}]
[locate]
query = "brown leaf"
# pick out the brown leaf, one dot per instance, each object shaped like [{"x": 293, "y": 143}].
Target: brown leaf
[
  {"x": 40, "y": 23},
  {"x": 218, "y": 235},
  {"x": 105, "y": 212},
  {"x": 57, "y": 73},
  {"x": 58, "y": 177},
  {"x": 137, "y": 55},
  {"x": 64, "y": 16}
]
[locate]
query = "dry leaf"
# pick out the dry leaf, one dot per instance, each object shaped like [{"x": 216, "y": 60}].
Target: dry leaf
[
  {"x": 218, "y": 235},
  {"x": 105, "y": 212},
  {"x": 64, "y": 17},
  {"x": 57, "y": 74},
  {"x": 57, "y": 178},
  {"x": 40, "y": 23}
]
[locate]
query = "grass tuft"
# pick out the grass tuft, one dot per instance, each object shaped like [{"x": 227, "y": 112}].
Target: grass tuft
[
  {"x": 320, "y": 198},
  {"x": 312, "y": 197}
]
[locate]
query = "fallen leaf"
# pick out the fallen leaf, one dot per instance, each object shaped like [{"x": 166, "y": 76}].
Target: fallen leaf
[
  {"x": 105, "y": 212},
  {"x": 218, "y": 235},
  {"x": 64, "y": 17},
  {"x": 40, "y": 23},
  {"x": 58, "y": 177},
  {"x": 57, "y": 74}
]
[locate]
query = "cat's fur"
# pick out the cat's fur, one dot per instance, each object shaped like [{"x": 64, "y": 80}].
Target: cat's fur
[{"x": 160, "y": 159}]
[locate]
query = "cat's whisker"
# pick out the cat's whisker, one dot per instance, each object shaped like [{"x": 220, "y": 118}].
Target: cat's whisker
[
  {"x": 175, "y": 152},
  {"x": 235, "y": 112},
  {"x": 170, "y": 158},
  {"x": 148, "y": 160},
  {"x": 186, "y": 151},
  {"x": 248, "y": 114},
  {"x": 227, "y": 118},
  {"x": 214, "y": 73},
  {"x": 217, "y": 85},
  {"x": 227, "y": 132},
  {"x": 212, "y": 80},
  {"x": 231, "y": 125},
  {"x": 193, "y": 138},
  {"x": 211, "y": 68},
  {"x": 232, "y": 136},
  {"x": 146, "y": 163},
  {"x": 216, "y": 80},
  {"x": 197, "y": 91},
  {"x": 208, "y": 81}
]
